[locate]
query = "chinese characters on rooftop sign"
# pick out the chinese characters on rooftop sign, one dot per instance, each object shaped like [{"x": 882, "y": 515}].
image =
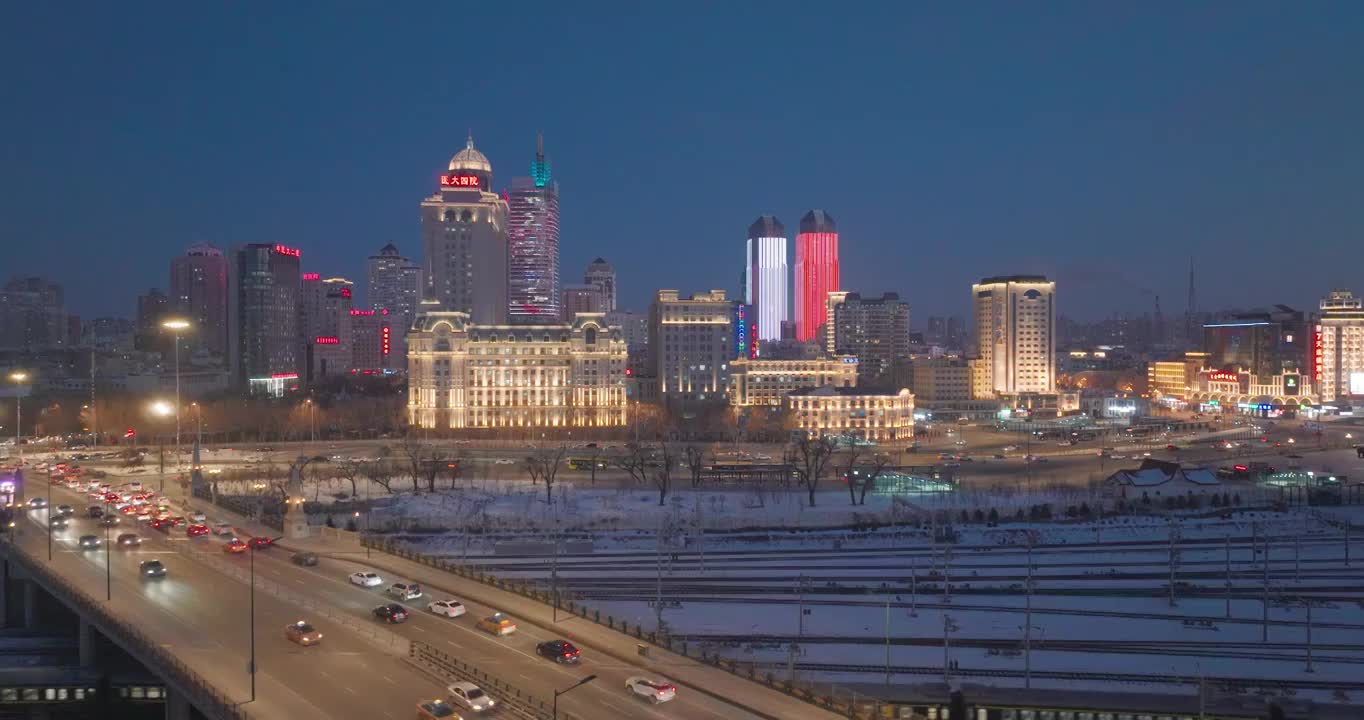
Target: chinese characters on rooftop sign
[
  {"x": 459, "y": 181},
  {"x": 286, "y": 250}
]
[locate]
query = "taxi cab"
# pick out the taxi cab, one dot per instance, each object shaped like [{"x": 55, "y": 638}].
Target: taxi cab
[{"x": 497, "y": 624}]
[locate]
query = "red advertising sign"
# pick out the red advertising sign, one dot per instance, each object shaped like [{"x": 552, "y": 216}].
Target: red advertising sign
[{"x": 459, "y": 181}]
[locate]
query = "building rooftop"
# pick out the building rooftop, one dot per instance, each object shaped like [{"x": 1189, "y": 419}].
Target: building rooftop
[{"x": 1014, "y": 279}]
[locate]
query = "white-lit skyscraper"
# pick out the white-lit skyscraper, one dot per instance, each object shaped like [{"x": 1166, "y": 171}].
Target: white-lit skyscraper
[
  {"x": 768, "y": 277},
  {"x": 533, "y": 244},
  {"x": 1015, "y": 335}
]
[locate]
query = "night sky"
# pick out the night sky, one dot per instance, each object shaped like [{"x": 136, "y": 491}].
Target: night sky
[{"x": 1100, "y": 144}]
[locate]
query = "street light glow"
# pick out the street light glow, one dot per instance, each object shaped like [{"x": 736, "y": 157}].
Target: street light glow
[
  {"x": 18, "y": 376},
  {"x": 175, "y": 324},
  {"x": 162, "y": 408}
]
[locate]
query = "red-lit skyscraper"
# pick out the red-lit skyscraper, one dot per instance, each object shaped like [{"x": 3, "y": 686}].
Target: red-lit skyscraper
[{"x": 816, "y": 271}]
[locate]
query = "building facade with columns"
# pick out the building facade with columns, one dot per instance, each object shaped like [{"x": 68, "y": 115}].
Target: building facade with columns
[{"x": 463, "y": 375}]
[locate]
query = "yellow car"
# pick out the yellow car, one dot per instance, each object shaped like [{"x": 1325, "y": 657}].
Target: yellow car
[
  {"x": 497, "y": 624},
  {"x": 302, "y": 633}
]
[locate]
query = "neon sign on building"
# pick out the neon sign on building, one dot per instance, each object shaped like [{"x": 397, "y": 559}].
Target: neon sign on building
[
  {"x": 384, "y": 341},
  {"x": 311, "y": 276},
  {"x": 290, "y": 251},
  {"x": 327, "y": 340},
  {"x": 1223, "y": 377},
  {"x": 460, "y": 181}
]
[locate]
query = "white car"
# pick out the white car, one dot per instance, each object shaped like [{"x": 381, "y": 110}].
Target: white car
[
  {"x": 504, "y": 461},
  {"x": 196, "y": 516},
  {"x": 469, "y": 695},
  {"x": 448, "y": 608},
  {"x": 405, "y": 591},
  {"x": 655, "y": 691},
  {"x": 366, "y": 579},
  {"x": 223, "y": 528}
]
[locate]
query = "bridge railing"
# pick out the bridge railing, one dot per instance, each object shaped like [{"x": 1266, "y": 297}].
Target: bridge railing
[{"x": 180, "y": 677}]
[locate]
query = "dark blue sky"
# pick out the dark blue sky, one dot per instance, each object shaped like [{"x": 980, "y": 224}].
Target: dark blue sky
[{"x": 1101, "y": 144}]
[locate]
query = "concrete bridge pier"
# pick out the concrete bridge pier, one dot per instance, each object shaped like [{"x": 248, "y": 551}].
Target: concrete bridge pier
[
  {"x": 177, "y": 707},
  {"x": 88, "y": 636},
  {"x": 30, "y": 604}
]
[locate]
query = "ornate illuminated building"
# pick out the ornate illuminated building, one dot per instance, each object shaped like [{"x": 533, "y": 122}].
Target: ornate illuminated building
[
  {"x": 765, "y": 382},
  {"x": 1015, "y": 336},
  {"x": 1338, "y": 347},
  {"x": 816, "y": 272},
  {"x": 766, "y": 281},
  {"x": 533, "y": 244},
  {"x": 876, "y": 416},
  {"x": 691, "y": 341},
  {"x": 465, "y": 375},
  {"x": 464, "y": 240}
]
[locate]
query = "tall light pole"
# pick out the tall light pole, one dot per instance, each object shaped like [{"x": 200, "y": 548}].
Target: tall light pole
[
  {"x": 568, "y": 689},
  {"x": 161, "y": 408},
  {"x": 176, "y": 326},
  {"x": 18, "y": 378}
]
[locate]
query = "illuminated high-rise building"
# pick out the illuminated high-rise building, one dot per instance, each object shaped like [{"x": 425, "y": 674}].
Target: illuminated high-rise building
[
  {"x": 533, "y": 244},
  {"x": 816, "y": 272},
  {"x": 1015, "y": 336},
  {"x": 263, "y": 318},
  {"x": 1337, "y": 358},
  {"x": 767, "y": 277},
  {"x": 464, "y": 240},
  {"x": 198, "y": 283},
  {"x": 395, "y": 287}
]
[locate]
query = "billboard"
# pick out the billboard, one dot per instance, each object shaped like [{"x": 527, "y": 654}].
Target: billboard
[{"x": 1291, "y": 384}]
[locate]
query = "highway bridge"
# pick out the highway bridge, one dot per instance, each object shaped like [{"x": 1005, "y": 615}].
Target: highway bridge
[{"x": 198, "y": 628}]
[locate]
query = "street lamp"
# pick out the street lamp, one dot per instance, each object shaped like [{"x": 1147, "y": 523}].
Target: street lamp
[
  {"x": 18, "y": 378},
  {"x": 566, "y": 690},
  {"x": 162, "y": 409},
  {"x": 176, "y": 326},
  {"x": 312, "y": 419}
]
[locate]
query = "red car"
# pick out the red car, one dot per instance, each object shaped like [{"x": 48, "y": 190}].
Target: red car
[
  {"x": 261, "y": 543},
  {"x": 234, "y": 546},
  {"x": 111, "y": 497},
  {"x": 177, "y": 521},
  {"x": 162, "y": 524},
  {"x": 196, "y": 530}
]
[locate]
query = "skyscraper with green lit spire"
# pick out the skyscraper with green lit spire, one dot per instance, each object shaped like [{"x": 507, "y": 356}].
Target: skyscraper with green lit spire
[{"x": 533, "y": 244}]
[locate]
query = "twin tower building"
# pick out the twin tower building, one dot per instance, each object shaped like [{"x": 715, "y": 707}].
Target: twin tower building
[{"x": 766, "y": 277}]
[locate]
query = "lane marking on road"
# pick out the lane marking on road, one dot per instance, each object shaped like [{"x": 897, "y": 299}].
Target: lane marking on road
[{"x": 389, "y": 679}]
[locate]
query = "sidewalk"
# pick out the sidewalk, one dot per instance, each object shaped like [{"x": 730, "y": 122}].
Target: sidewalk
[{"x": 753, "y": 697}]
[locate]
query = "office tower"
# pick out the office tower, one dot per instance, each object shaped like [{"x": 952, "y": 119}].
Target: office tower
[
  {"x": 1338, "y": 347},
  {"x": 816, "y": 271},
  {"x": 32, "y": 314},
  {"x": 329, "y": 340},
  {"x": 553, "y": 375},
  {"x": 152, "y": 307},
  {"x": 580, "y": 299},
  {"x": 263, "y": 318},
  {"x": 956, "y": 332},
  {"x": 831, "y": 302},
  {"x": 533, "y": 244},
  {"x": 1015, "y": 336},
  {"x": 464, "y": 240},
  {"x": 1266, "y": 344},
  {"x": 394, "y": 285},
  {"x": 875, "y": 330},
  {"x": 198, "y": 285},
  {"x": 937, "y": 330},
  {"x": 692, "y": 341},
  {"x": 602, "y": 276},
  {"x": 372, "y": 342},
  {"x": 767, "y": 275}
]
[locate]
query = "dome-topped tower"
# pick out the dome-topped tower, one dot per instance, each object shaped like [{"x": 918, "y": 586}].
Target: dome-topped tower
[{"x": 470, "y": 159}]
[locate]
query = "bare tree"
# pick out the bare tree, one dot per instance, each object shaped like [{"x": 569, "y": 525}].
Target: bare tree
[
  {"x": 809, "y": 458},
  {"x": 635, "y": 462},
  {"x": 695, "y": 457},
  {"x": 543, "y": 466},
  {"x": 349, "y": 471},
  {"x": 413, "y": 451},
  {"x": 380, "y": 473},
  {"x": 663, "y": 472},
  {"x": 848, "y": 470},
  {"x": 432, "y": 465},
  {"x": 455, "y": 466},
  {"x": 596, "y": 460},
  {"x": 868, "y": 474}
]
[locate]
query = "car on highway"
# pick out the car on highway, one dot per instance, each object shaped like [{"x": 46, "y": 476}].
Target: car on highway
[
  {"x": 162, "y": 524},
  {"x": 223, "y": 528},
  {"x": 110, "y": 521},
  {"x": 196, "y": 530},
  {"x": 151, "y": 569},
  {"x": 497, "y": 624},
  {"x": 129, "y": 540},
  {"x": 59, "y": 523},
  {"x": 449, "y": 608},
  {"x": 36, "y": 503},
  {"x": 196, "y": 516},
  {"x": 471, "y": 696},
  {"x": 88, "y": 542},
  {"x": 304, "y": 559},
  {"x": 234, "y": 546},
  {"x": 437, "y": 710},
  {"x": 366, "y": 579},
  {"x": 655, "y": 691},
  {"x": 177, "y": 521},
  {"x": 65, "y": 510},
  {"x": 391, "y": 613},
  {"x": 261, "y": 542},
  {"x": 504, "y": 461},
  {"x": 302, "y": 633},
  {"x": 95, "y": 511},
  {"x": 560, "y": 651},
  {"x": 405, "y": 591}
]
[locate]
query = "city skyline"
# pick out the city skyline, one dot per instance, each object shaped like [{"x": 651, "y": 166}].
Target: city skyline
[{"x": 1130, "y": 153}]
